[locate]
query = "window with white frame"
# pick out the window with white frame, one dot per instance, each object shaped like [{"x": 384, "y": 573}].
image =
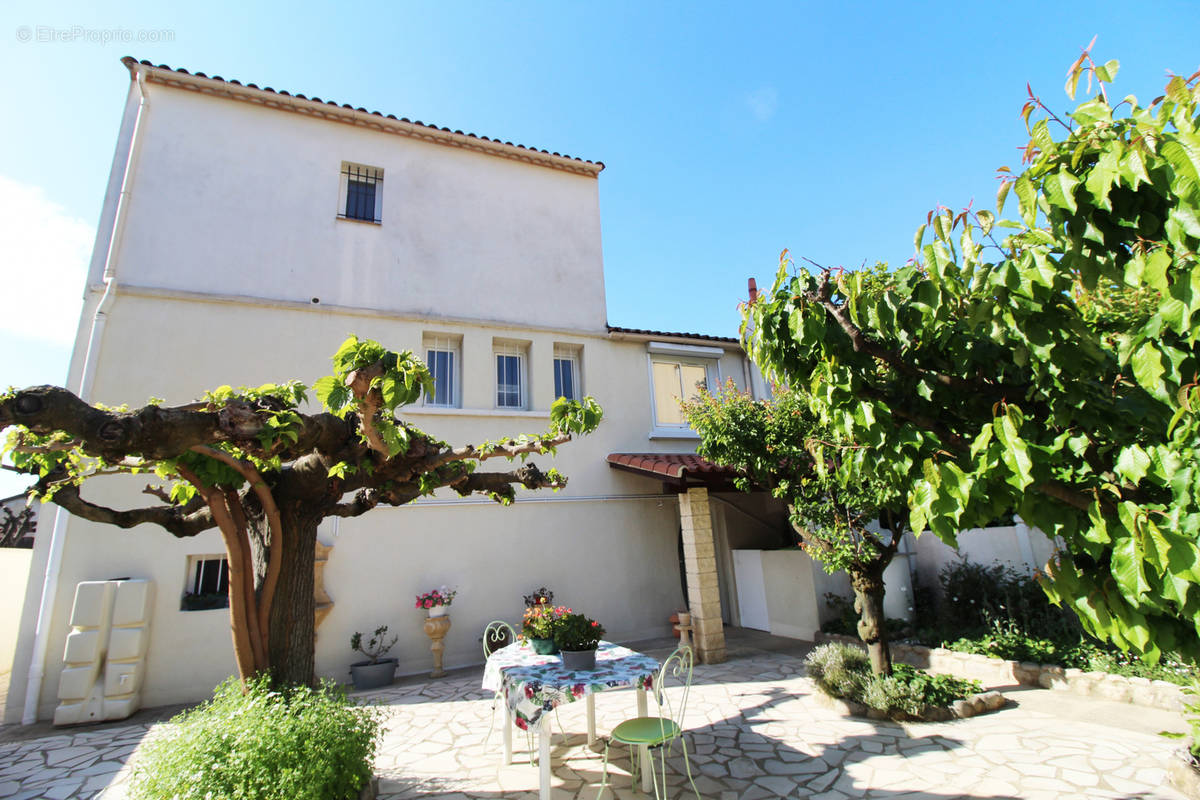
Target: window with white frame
[
  {"x": 512, "y": 389},
  {"x": 679, "y": 372},
  {"x": 442, "y": 356},
  {"x": 566, "y": 372},
  {"x": 361, "y": 193},
  {"x": 207, "y": 583}
]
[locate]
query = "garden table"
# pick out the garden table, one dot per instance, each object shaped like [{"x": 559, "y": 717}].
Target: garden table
[{"x": 533, "y": 685}]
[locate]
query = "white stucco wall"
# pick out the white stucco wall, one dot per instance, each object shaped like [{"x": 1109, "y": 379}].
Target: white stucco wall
[
  {"x": 238, "y": 199},
  {"x": 1017, "y": 546},
  {"x": 14, "y": 574},
  {"x": 607, "y": 544}
]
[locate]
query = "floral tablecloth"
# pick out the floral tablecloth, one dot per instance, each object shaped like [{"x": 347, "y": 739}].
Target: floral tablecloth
[{"x": 533, "y": 684}]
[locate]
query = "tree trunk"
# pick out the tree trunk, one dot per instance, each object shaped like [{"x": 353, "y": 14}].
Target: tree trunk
[
  {"x": 290, "y": 632},
  {"x": 872, "y": 626}
]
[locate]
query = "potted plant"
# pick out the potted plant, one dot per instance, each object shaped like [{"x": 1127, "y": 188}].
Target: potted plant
[
  {"x": 539, "y": 597},
  {"x": 376, "y": 671},
  {"x": 538, "y": 627},
  {"x": 577, "y": 637},
  {"x": 436, "y": 601}
]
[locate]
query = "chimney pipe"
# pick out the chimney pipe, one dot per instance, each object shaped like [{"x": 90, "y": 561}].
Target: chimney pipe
[{"x": 753, "y": 291}]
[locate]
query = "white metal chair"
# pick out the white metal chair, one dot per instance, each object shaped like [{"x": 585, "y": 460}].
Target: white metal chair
[
  {"x": 642, "y": 734},
  {"x": 496, "y": 635}
]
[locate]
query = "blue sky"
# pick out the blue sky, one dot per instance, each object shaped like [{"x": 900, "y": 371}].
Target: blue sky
[{"x": 729, "y": 131}]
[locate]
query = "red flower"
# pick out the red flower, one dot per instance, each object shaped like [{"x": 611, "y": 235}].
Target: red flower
[{"x": 429, "y": 604}]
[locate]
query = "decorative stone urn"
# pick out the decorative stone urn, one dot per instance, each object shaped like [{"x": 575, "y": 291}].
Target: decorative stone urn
[{"x": 436, "y": 629}]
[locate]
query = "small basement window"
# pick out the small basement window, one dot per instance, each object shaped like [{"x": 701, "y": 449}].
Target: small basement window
[
  {"x": 361, "y": 195},
  {"x": 207, "y": 584}
]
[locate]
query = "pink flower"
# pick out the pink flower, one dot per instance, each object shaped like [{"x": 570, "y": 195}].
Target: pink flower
[
  {"x": 418, "y": 605},
  {"x": 429, "y": 604}
]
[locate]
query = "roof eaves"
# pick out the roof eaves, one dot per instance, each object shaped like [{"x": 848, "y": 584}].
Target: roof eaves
[
  {"x": 642, "y": 333},
  {"x": 315, "y": 106}
]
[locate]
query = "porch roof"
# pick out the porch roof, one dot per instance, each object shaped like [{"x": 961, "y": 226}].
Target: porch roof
[{"x": 677, "y": 469}]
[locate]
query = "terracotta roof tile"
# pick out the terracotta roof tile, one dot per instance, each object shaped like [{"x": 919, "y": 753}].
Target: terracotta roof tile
[
  {"x": 645, "y": 332},
  {"x": 130, "y": 60},
  {"x": 672, "y": 465}
]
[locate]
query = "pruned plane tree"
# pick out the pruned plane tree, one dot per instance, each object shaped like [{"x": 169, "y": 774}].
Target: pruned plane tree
[{"x": 251, "y": 464}]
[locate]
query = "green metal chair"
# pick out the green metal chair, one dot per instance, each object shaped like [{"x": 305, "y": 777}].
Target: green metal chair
[{"x": 642, "y": 734}]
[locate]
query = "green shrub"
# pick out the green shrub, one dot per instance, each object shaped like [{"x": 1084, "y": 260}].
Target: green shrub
[
  {"x": 844, "y": 671},
  {"x": 298, "y": 744},
  {"x": 1191, "y": 711},
  {"x": 994, "y": 611},
  {"x": 839, "y": 669},
  {"x": 1006, "y": 640},
  {"x": 935, "y": 689},
  {"x": 908, "y": 691},
  {"x": 975, "y": 596}
]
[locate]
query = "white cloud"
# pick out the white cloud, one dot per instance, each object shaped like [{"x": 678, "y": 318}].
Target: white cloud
[
  {"x": 763, "y": 103},
  {"x": 44, "y": 255}
]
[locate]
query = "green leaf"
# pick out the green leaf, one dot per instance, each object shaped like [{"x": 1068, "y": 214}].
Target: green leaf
[
  {"x": 986, "y": 221},
  {"x": 1127, "y": 567},
  {"x": 1027, "y": 199},
  {"x": 1132, "y": 464},
  {"x": 1016, "y": 452},
  {"x": 1002, "y": 195},
  {"x": 1148, "y": 369}
]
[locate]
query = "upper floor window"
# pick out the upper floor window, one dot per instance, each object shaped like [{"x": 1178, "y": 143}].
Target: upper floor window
[
  {"x": 442, "y": 358},
  {"x": 511, "y": 383},
  {"x": 361, "y": 193},
  {"x": 566, "y": 373},
  {"x": 679, "y": 372}
]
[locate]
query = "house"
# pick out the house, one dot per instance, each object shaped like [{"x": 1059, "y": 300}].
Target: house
[{"x": 244, "y": 233}]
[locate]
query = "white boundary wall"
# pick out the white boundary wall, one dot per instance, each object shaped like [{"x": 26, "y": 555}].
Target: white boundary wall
[{"x": 1021, "y": 547}]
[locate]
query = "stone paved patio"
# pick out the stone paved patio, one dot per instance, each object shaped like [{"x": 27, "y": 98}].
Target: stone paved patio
[{"x": 757, "y": 731}]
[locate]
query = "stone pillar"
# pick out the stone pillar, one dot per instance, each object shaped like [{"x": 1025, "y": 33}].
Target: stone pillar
[{"x": 700, "y": 561}]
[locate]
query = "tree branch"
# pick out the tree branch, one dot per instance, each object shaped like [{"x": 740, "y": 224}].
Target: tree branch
[
  {"x": 864, "y": 344},
  {"x": 178, "y": 521},
  {"x": 510, "y": 449},
  {"x": 501, "y": 483},
  {"x": 371, "y": 399},
  {"x": 271, "y": 512},
  {"x": 155, "y": 433}
]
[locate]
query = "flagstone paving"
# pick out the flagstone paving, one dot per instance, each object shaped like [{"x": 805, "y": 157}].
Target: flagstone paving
[{"x": 756, "y": 730}]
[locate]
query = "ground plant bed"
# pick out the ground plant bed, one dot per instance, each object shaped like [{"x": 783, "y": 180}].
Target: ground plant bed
[
  {"x": 1183, "y": 770},
  {"x": 843, "y": 675}
]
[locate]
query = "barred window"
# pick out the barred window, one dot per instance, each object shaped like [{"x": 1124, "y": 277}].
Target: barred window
[{"x": 361, "y": 193}]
